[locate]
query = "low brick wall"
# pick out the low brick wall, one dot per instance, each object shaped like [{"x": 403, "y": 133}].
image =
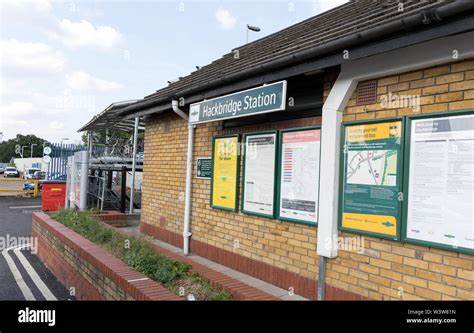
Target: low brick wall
[{"x": 94, "y": 273}]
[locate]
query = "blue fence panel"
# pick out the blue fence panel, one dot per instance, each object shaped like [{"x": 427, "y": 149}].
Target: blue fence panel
[{"x": 59, "y": 155}]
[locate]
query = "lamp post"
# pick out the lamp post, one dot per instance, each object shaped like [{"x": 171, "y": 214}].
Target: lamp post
[
  {"x": 251, "y": 28},
  {"x": 32, "y": 146}
]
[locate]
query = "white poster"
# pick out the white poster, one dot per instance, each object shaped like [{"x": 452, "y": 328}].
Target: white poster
[
  {"x": 259, "y": 173},
  {"x": 299, "y": 178},
  {"x": 441, "y": 181}
]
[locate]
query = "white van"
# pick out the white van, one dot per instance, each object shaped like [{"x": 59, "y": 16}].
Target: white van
[{"x": 29, "y": 173}]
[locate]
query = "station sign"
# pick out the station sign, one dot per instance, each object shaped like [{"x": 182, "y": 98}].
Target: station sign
[{"x": 264, "y": 99}]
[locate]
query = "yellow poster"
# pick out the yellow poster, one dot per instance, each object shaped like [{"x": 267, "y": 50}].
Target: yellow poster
[{"x": 225, "y": 172}]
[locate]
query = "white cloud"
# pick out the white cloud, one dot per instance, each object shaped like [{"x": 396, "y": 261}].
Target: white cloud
[
  {"x": 25, "y": 11},
  {"x": 85, "y": 34},
  {"x": 86, "y": 82},
  {"x": 56, "y": 125},
  {"x": 226, "y": 20},
  {"x": 18, "y": 108},
  {"x": 321, "y": 6},
  {"x": 30, "y": 59}
]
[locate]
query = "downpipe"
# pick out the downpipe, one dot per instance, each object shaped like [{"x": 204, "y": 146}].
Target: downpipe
[{"x": 189, "y": 171}]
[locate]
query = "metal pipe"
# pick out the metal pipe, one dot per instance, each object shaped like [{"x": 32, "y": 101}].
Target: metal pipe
[
  {"x": 322, "y": 278},
  {"x": 134, "y": 162},
  {"x": 189, "y": 171}
]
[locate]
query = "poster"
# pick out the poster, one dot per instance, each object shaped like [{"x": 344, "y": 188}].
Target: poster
[
  {"x": 371, "y": 178},
  {"x": 441, "y": 181},
  {"x": 225, "y": 173},
  {"x": 259, "y": 174},
  {"x": 299, "y": 175}
]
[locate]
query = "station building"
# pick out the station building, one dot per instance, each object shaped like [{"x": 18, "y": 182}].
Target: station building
[{"x": 362, "y": 181}]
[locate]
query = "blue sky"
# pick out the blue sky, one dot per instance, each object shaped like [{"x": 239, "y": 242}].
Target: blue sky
[{"x": 62, "y": 61}]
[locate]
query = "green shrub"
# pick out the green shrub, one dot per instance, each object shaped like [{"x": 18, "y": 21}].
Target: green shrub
[{"x": 134, "y": 251}]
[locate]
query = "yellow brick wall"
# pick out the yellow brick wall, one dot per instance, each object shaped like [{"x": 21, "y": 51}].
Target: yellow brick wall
[
  {"x": 164, "y": 172},
  {"x": 388, "y": 269},
  {"x": 385, "y": 270}
]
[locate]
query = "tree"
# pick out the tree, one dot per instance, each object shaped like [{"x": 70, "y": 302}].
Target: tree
[{"x": 9, "y": 149}]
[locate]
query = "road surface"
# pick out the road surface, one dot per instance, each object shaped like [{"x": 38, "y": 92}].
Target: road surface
[{"x": 23, "y": 276}]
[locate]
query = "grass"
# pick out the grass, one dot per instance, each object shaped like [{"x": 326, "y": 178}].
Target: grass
[{"x": 137, "y": 253}]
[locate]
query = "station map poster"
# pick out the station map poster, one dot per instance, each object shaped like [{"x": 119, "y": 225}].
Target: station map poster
[
  {"x": 225, "y": 171},
  {"x": 299, "y": 175},
  {"x": 440, "y": 207},
  {"x": 371, "y": 178},
  {"x": 259, "y": 174}
]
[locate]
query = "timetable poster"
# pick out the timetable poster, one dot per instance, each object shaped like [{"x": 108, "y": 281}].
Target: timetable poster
[
  {"x": 259, "y": 174},
  {"x": 441, "y": 181},
  {"x": 299, "y": 177}
]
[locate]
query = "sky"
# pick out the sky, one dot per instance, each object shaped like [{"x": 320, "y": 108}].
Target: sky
[{"x": 63, "y": 61}]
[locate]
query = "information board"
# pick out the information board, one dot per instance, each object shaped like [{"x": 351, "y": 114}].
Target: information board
[
  {"x": 299, "y": 175},
  {"x": 225, "y": 171},
  {"x": 204, "y": 167},
  {"x": 440, "y": 205},
  {"x": 259, "y": 174},
  {"x": 371, "y": 178}
]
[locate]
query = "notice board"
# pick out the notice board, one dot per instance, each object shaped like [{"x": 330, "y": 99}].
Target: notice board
[
  {"x": 439, "y": 181},
  {"x": 371, "y": 178},
  {"x": 225, "y": 172},
  {"x": 299, "y": 175},
  {"x": 258, "y": 180}
]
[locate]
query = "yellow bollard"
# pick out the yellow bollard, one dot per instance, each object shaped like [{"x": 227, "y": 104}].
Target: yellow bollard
[{"x": 36, "y": 190}]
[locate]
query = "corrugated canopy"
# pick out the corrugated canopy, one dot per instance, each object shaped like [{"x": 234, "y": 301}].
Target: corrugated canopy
[{"x": 110, "y": 119}]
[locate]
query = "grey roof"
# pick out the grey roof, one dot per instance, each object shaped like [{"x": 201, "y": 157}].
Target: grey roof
[
  {"x": 339, "y": 23},
  {"x": 110, "y": 119}
]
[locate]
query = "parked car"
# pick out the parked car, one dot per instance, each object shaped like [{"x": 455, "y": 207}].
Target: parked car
[
  {"x": 39, "y": 175},
  {"x": 2, "y": 169},
  {"x": 29, "y": 186},
  {"x": 11, "y": 172},
  {"x": 29, "y": 173}
]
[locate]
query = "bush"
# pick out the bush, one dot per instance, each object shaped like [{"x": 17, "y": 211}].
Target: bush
[{"x": 134, "y": 251}]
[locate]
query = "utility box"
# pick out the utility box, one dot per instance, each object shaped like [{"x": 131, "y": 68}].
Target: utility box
[{"x": 54, "y": 195}]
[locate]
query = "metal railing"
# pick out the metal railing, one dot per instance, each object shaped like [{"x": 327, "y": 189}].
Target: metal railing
[{"x": 34, "y": 192}]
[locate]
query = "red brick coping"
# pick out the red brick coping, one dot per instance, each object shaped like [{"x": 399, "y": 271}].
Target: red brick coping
[{"x": 94, "y": 273}]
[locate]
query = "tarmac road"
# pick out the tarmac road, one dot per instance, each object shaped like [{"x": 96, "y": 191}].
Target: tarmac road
[{"x": 22, "y": 275}]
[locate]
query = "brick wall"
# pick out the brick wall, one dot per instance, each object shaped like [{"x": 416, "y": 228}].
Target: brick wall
[
  {"x": 388, "y": 269},
  {"x": 385, "y": 270},
  {"x": 92, "y": 272}
]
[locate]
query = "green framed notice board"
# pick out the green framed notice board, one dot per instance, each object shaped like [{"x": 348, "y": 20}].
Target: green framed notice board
[
  {"x": 439, "y": 181},
  {"x": 298, "y": 175},
  {"x": 371, "y": 178},
  {"x": 258, "y": 174},
  {"x": 225, "y": 172}
]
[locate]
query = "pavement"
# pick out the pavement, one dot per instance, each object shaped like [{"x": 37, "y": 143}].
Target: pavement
[{"x": 23, "y": 276}]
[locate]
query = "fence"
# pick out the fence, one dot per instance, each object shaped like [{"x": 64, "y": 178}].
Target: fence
[{"x": 59, "y": 156}]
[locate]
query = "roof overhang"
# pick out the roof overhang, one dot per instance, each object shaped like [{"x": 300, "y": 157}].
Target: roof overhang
[{"x": 111, "y": 119}]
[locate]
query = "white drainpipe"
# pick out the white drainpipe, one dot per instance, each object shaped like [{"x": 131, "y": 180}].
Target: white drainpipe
[{"x": 189, "y": 171}]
